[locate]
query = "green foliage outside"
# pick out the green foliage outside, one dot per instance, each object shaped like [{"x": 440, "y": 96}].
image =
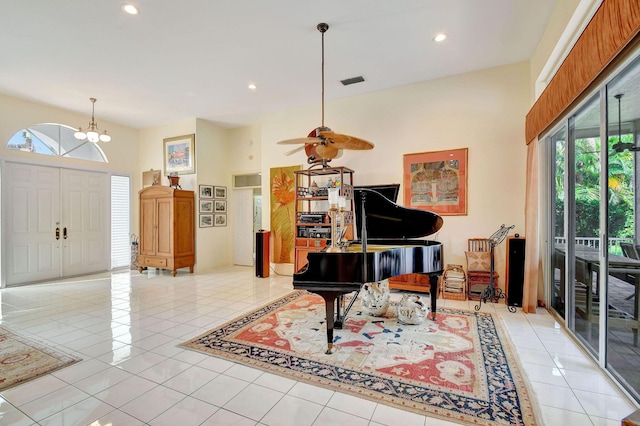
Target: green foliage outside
[{"x": 587, "y": 189}]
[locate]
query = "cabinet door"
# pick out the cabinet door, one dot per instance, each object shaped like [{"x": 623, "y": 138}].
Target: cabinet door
[
  {"x": 184, "y": 227},
  {"x": 147, "y": 227},
  {"x": 164, "y": 229}
]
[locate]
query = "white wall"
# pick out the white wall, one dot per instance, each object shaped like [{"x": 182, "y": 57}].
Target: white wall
[
  {"x": 214, "y": 246},
  {"x": 483, "y": 111}
]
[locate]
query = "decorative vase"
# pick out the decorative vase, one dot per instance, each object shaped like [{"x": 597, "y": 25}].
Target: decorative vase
[
  {"x": 375, "y": 299},
  {"x": 173, "y": 181},
  {"x": 412, "y": 310}
]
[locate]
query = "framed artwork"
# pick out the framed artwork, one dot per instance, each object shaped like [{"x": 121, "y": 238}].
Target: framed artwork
[
  {"x": 180, "y": 155},
  {"x": 282, "y": 183},
  {"x": 206, "y": 220},
  {"x": 152, "y": 177},
  {"x": 220, "y": 192},
  {"x": 206, "y": 206},
  {"x": 220, "y": 206},
  {"x": 205, "y": 191},
  {"x": 437, "y": 181},
  {"x": 220, "y": 220}
]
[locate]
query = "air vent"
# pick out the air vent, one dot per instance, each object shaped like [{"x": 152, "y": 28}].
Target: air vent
[{"x": 352, "y": 80}]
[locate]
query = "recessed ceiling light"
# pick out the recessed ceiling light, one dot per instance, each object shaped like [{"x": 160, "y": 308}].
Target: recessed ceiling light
[
  {"x": 439, "y": 37},
  {"x": 252, "y": 86},
  {"x": 131, "y": 9}
]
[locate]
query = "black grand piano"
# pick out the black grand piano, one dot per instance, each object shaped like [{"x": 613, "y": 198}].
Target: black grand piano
[{"x": 386, "y": 248}]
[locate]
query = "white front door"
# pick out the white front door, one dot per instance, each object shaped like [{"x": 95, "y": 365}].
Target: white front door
[
  {"x": 33, "y": 230},
  {"x": 46, "y": 204},
  {"x": 85, "y": 222}
]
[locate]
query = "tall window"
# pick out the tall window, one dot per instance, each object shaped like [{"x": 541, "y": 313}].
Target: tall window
[
  {"x": 120, "y": 219},
  {"x": 55, "y": 139}
]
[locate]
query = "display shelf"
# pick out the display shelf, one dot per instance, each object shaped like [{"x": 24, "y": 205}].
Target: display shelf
[{"x": 313, "y": 224}]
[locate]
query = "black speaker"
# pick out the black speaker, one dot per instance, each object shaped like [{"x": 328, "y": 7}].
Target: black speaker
[
  {"x": 262, "y": 253},
  {"x": 514, "y": 283}
]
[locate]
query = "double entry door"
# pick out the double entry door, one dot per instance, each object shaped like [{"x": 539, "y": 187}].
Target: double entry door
[{"x": 56, "y": 222}]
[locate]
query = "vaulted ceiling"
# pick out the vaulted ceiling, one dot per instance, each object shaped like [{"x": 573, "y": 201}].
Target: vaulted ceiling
[{"x": 195, "y": 58}]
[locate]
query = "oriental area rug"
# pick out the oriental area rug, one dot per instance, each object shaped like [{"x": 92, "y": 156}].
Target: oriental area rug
[
  {"x": 460, "y": 368},
  {"x": 22, "y": 359}
]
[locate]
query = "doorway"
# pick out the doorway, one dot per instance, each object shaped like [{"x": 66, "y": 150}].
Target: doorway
[{"x": 247, "y": 203}]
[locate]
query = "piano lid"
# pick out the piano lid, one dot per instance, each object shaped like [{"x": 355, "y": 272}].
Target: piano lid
[{"x": 386, "y": 219}]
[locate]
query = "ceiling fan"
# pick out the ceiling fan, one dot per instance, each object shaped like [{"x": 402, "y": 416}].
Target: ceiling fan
[
  {"x": 622, "y": 146},
  {"x": 322, "y": 144}
]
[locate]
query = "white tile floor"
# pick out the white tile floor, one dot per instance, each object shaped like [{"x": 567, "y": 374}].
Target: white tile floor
[{"x": 125, "y": 326}]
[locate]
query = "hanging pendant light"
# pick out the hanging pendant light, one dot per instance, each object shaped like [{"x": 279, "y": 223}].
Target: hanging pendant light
[
  {"x": 322, "y": 144},
  {"x": 92, "y": 134}
]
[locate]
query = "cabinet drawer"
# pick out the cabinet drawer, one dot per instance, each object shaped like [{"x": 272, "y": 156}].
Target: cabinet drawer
[{"x": 155, "y": 262}]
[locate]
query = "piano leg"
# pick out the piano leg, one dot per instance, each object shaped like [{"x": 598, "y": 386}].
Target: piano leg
[
  {"x": 433, "y": 293},
  {"x": 329, "y": 301}
]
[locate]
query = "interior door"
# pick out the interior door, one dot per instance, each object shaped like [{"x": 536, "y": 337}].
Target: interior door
[
  {"x": 85, "y": 222},
  {"x": 243, "y": 227},
  {"x": 33, "y": 215}
]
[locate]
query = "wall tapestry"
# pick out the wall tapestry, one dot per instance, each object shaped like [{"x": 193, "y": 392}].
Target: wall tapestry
[
  {"x": 283, "y": 197},
  {"x": 437, "y": 181}
]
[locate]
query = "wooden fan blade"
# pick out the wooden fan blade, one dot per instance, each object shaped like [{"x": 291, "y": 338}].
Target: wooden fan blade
[
  {"x": 327, "y": 152},
  {"x": 298, "y": 149},
  {"x": 299, "y": 141},
  {"x": 341, "y": 141}
]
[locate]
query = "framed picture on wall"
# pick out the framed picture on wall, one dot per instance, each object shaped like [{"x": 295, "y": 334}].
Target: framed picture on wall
[
  {"x": 205, "y": 191},
  {"x": 206, "y": 206},
  {"x": 220, "y": 206},
  {"x": 220, "y": 192},
  {"x": 180, "y": 155},
  {"x": 220, "y": 220},
  {"x": 206, "y": 220},
  {"x": 436, "y": 181}
]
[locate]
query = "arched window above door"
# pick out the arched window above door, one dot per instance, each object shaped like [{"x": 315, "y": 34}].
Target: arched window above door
[{"x": 55, "y": 139}]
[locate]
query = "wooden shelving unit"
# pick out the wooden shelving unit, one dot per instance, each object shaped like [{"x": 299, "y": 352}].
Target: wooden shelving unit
[{"x": 313, "y": 226}]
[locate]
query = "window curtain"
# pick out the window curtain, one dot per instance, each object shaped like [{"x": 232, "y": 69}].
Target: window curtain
[{"x": 532, "y": 265}]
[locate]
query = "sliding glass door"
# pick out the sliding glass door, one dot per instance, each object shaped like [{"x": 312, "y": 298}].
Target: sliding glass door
[
  {"x": 584, "y": 221},
  {"x": 594, "y": 261},
  {"x": 623, "y": 284},
  {"x": 558, "y": 260}
]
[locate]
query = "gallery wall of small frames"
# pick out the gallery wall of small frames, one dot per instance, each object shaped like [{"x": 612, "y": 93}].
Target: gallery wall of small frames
[{"x": 212, "y": 205}]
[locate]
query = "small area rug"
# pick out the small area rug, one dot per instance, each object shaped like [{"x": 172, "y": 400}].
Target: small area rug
[
  {"x": 460, "y": 368},
  {"x": 22, "y": 359}
]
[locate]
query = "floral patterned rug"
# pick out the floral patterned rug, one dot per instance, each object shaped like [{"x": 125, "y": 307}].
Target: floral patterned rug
[
  {"x": 460, "y": 368},
  {"x": 22, "y": 359}
]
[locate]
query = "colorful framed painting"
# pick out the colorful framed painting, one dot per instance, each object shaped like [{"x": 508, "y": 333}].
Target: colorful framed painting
[
  {"x": 437, "y": 181},
  {"x": 283, "y": 195},
  {"x": 180, "y": 155}
]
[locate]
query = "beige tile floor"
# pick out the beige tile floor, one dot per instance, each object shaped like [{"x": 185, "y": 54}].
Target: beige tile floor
[{"x": 126, "y": 326}]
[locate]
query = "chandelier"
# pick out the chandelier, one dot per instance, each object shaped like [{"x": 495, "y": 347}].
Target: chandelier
[{"x": 92, "y": 134}]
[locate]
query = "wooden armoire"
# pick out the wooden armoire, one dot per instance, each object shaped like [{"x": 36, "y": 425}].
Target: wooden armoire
[{"x": 167, "y": 229}]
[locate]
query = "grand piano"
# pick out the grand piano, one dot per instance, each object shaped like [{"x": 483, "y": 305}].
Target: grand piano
[{"x": 387, "y": 248}]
